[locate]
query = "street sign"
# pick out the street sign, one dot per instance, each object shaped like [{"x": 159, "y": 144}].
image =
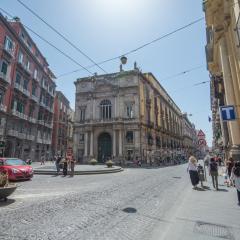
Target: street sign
[
  {"x": 202, "y": 142},
  {"x": 201, "y": 134},
  {"x": 228, "y": 113}
]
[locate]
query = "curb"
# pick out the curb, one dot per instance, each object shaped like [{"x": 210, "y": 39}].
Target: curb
[{"x": 51, "y": 172}]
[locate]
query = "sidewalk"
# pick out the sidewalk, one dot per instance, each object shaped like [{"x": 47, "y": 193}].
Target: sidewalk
[
  {"x": 49, "y": 168},
  {"x": 205, "y": 214}
]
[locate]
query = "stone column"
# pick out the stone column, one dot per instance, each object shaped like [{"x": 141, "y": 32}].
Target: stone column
[
  {"x": 86, "y": 144},
  {"x": 114, "y": 143},
  {"x": 229, "y": 93},
  {"x": 120, "y": 142},
  {"x": 94, "y": 109},
  {"x": 91, "y": 144}
]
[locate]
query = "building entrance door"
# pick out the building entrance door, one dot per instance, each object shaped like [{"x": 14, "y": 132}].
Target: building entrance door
[{"x": 104, "y": 147}]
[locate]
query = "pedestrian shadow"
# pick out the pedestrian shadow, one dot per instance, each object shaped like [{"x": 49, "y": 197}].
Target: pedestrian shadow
[
  {"x": 6, "y": 203},
  {"x": 222, "y": 190},
  {"x": 206, "y": 188},
  {"x": 199, "y": 189}
]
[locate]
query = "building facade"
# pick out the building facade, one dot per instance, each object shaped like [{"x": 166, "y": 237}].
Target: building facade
[
  {"x": 125, "y": 116},
  {"x": 61, "y": 123},
  {"x": 27, "y": 90},
  {"x": 223, "y": 55}
]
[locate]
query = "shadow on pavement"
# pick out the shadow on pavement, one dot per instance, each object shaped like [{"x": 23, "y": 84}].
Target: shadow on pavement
[
  {"x": 199, "y": 189},
  {"x": 206, "y": 188},
  {"x": 6, "y": 203},
  {"x": 222, "y": 190}
]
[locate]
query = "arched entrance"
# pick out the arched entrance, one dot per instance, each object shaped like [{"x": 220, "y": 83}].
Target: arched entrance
[{"x": 104, "y": 147}]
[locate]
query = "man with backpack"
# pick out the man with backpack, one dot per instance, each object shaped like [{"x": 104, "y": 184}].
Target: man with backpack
[{"x": 213, "y": 171}]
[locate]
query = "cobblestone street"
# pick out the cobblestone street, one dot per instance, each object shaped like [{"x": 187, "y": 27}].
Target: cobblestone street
[{"x": 92, "y": 207}]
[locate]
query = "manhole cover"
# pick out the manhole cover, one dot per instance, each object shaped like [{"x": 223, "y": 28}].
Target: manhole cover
[
  {"x": 213, "y": 230},
  {"x": 129, "y": 210}
]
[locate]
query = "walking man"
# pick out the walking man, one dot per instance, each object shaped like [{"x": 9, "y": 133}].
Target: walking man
[
  {"x": 57, "y": 162},
  {"x": 213, "y": 171}
]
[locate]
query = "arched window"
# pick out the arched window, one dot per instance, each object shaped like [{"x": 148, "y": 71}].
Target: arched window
[{"x": 105, "y": 109}]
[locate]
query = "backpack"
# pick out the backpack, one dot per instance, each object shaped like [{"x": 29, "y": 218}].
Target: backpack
[{"x": 213, "y": 167}]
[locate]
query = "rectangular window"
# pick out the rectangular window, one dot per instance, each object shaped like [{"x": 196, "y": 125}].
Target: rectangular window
[
  {"x": 1, "y": 96},
  {"x": 28, "y": 65},
  {"x": 130, "y": 111},
  {"x": 129, "y": 137},
  {"x": 8, "y": 44},
  {"x": 34, "y": 90},
  {"x": 4, "y": 68},
  {"x": 82, "y": 114},
  {"x": 25, "y": 84},
  {"x": 20, "y": 107},
  {"x": 20, "y": 57},
  {"x": 18, "y": 78},
  {"x": 81, "y": 138},
  {"x": 35, "y": 74}
]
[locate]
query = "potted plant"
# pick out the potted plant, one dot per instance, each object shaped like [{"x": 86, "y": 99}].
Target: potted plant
[
  {"x": 109, "y": 163},
  {"x": 93, "y": 161}
]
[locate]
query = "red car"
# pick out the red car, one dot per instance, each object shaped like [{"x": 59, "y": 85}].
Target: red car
[{"x": 17, "y": 169}]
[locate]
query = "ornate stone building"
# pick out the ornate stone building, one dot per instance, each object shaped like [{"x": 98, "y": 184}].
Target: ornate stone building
[
  {"x": 126, "y": 115},
  {"x": 223, "y": 62}
]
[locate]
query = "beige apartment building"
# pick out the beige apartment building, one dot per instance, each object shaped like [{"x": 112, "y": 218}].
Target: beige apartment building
[{"x": 223, "y": 55}]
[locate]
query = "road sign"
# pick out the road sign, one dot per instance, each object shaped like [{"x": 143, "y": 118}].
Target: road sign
[
  {"x": 228, "y": 113},
  {"x": 201, "y": 134},
  {"x": 202, "y": 142}
]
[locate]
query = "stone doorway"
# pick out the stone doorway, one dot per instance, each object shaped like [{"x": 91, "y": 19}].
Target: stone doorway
[{"x": 104, "y": 147}]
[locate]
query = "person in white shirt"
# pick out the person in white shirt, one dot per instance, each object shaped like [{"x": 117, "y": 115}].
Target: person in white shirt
[{"x": 192, "y": 169}]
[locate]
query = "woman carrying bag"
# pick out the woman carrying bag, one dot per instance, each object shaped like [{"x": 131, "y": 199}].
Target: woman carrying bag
[{"x": 193, "y": 171}]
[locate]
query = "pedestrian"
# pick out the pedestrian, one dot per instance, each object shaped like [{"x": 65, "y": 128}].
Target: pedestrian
[
  {"x": 229, "y": 167},
  {"x": 192, "y": 169},
  {"x": 42, "y": 160},
  {"x": 200, "y": 173},
  {"x": 235, "y": 177},
  {"x": 65, "y": 167},
  {"x": 72, "y": 165},
  {"x": 57, "y": 162},
  {"x": 206, "y": 160},
  {"x": 213, "y": 172}
]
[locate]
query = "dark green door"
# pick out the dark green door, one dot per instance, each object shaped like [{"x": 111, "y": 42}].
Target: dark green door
[{"x": 104, "y": 147}]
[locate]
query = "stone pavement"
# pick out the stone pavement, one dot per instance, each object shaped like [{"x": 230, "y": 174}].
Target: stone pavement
[
  {"x": 49, "y": 168},
  {"x": 204, "y": 215}
]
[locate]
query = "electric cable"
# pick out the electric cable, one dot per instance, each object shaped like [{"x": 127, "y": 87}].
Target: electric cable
[{"x": 61, "y": 35}]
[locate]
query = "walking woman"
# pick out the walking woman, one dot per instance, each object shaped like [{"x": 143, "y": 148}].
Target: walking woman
[
  {"x": 235, "y": 177},
  {"x": 192, "y": 169},
  {"x": 229, "y": 167}
]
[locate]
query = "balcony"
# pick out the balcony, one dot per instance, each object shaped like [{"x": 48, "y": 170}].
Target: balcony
[
  {"x": 209, "y": 53},
  {"x": 19, "y": 114},
  {"x": 32, "y": 120},
  {"x": 24, "y": 67},
  {"x": 4, "y": 77},
  {"x": 21, "y": 135},
  {"x": 46, "y": 124},
  {"x": 10, "y": 52},
  {"x": 43, "y": 140},
  {"x": 35, "y": 98},
  {"x": 22, "y": 89},
  {"x": 3, "y": 108}
]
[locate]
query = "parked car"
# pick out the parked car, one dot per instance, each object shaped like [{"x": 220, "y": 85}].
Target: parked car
[{"x": 16, "y": 168}]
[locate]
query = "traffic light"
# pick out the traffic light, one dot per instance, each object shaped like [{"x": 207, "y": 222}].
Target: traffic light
[{"x": 2, "y": 144}]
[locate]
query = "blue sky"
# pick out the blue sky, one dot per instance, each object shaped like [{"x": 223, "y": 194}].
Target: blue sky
[{"x": 108, "y": 28}]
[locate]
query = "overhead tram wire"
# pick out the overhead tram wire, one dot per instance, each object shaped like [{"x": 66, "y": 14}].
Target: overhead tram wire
[
  {"x": 61, "y": 35},
  {"x": 51, "y": 44},
  {"x": 182, "y": 73},
  {"x": 141, "y": 46}
]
